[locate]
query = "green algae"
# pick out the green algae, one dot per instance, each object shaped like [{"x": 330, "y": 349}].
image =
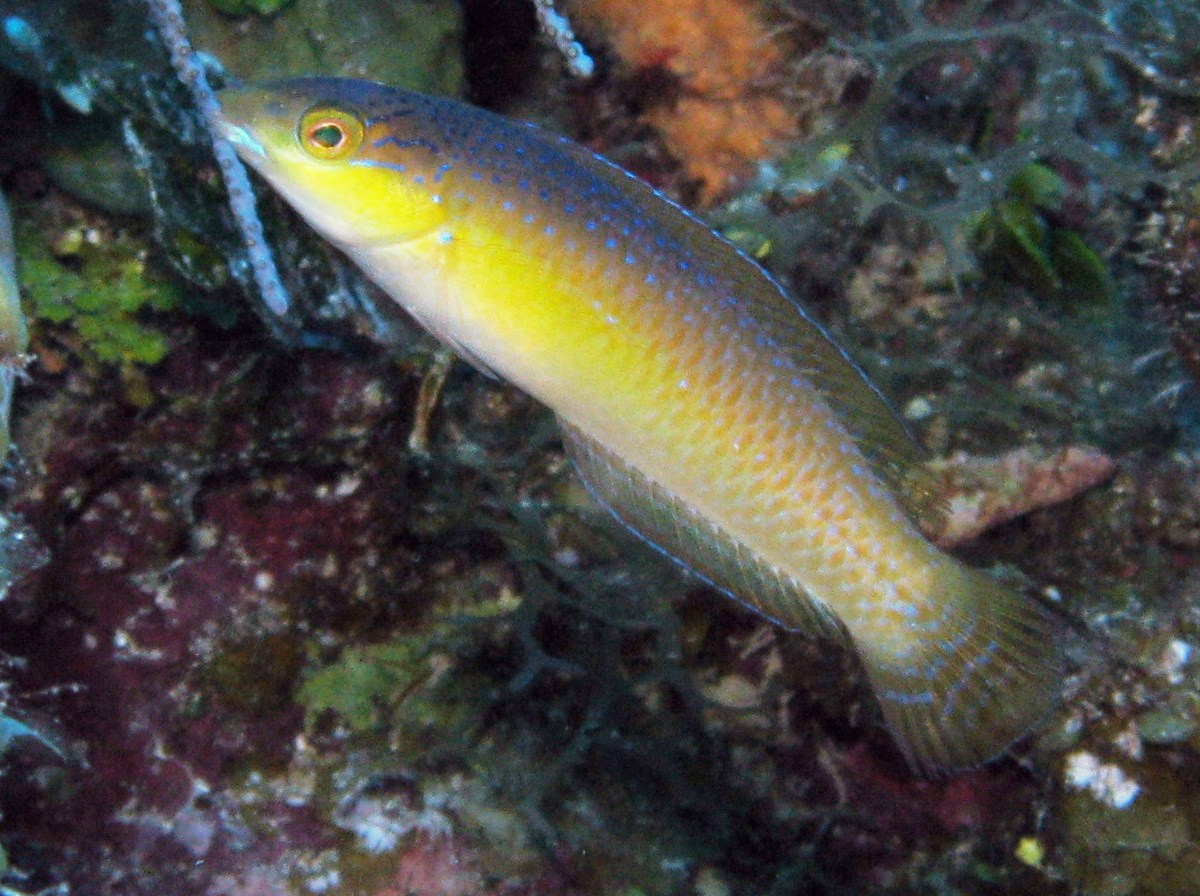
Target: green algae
[
  {"x": 1020, "y": 237},
  {"x": 101, "y": 290},
  {"x": 366, "y": 686}
]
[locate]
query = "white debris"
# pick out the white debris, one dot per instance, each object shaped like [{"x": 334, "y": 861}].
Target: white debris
[
  {"x": 1106, "y": 781},
  {"x": 1174, "y": 660},
  {"x": 381, "y": 822}
]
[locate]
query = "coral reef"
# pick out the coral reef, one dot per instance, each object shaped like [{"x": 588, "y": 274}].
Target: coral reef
[
  {"x": 1172, "y": 236},
  {"x": 258, "y": 646}
]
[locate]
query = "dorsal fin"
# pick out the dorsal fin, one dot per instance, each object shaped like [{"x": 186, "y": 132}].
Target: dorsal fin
[
  {"x": 679, "y": 531},
  {"x": 873, "y": 424}
]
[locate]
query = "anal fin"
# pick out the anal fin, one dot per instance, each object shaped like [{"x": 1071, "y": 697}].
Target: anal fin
[{"x": 674, "y": 527}]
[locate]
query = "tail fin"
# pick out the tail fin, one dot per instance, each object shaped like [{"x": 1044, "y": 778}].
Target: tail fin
[{"x": 989, "y": 673}]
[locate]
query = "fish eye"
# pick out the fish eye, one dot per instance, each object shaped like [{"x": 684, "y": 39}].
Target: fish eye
[{"x": 329, "y": 134}]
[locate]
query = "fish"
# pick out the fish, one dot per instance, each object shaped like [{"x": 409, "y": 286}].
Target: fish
[
  {"x": 699, "y": 402},
  {"x": 14, "y": 331}
]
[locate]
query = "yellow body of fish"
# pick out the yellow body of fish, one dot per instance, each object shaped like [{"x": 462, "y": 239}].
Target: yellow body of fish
[{"x": 698, "y": 401}]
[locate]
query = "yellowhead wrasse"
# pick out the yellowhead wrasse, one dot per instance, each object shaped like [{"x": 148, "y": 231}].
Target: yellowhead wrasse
[{"x": 697, "y": 400}]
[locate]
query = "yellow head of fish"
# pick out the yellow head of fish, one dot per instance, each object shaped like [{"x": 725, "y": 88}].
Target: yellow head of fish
[{"x": 319, "y": 144}]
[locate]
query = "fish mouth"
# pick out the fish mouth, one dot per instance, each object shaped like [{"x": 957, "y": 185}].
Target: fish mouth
[
  {"x": 241, "y": 140},
  {"x": 230, "y": 129},
  {"x": 239, "y": 136}
]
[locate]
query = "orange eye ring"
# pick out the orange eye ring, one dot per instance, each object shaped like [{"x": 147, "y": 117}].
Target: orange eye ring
[{"x": 329, "y": 133}]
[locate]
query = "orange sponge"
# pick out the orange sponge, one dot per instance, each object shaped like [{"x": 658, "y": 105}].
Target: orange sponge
[{"x": 724, "y": 58}]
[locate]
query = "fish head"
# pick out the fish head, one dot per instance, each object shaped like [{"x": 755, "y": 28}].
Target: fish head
[{"x": 361, "y": 162}]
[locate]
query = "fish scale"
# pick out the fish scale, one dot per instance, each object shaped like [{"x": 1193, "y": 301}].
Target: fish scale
[{"x": 700, "y": 404}]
